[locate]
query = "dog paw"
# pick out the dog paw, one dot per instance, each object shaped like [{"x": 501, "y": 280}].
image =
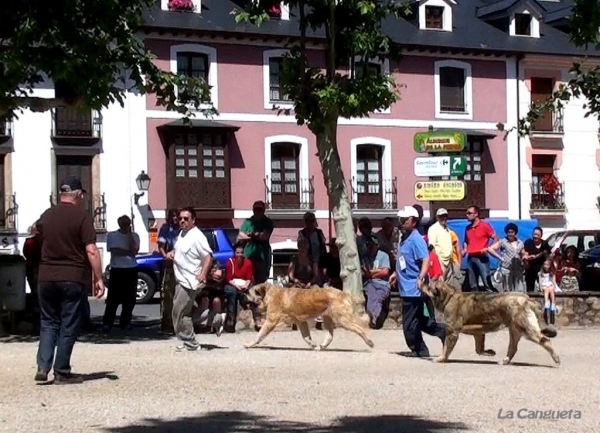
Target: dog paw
[
  {"x": 488, "y": 352},
  {"x": 505, "y": 361},
  {"x": 439, "y": 359},
  {"x": 371, "y": 344},
  {"x": 248, "y": 345},
  {"x": 318, "y": 348}
]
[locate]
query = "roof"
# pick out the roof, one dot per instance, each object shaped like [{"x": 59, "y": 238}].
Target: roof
[
  {"x": 471, "y": 30},
  {"x": 199, "y": 123}
]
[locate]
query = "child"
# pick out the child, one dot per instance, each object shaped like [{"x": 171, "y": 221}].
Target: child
[{"x": 547, "y": 282}]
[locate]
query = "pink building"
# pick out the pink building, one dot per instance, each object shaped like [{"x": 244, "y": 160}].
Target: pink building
[{"x": 221, "y": 166}]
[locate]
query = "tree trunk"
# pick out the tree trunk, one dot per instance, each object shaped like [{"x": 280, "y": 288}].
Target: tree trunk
[{"x": 342, "y": 212}]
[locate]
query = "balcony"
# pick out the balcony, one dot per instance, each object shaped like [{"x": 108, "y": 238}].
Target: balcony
[
  {"x": 9, "y": 211},
  {"x": 75, "y": 126},
  {"x": 374, "y": 199},
  {"x": 549, "y": 126},
  {"x": 5, "y": 131},
  {"x": 289, "y": 199},
  {"x": 95, "y": 205},
  {"x": 546, "y": 203}
]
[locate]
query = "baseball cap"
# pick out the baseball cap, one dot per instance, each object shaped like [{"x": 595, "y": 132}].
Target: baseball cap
[
  {"x": 441, "y": 211},
  {"x": 258, "y": 205},
  {"x": 72, "y": 184},
  {"x": 407, "y": 212}
]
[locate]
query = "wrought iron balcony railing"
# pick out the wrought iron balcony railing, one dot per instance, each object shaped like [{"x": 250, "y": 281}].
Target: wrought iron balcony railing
[
  {"x": 286, "y": 195},
  {"x": 70, "y": 122},
  {"x": 95, "y": 205},
  {"x": 544, "y": 201},
  {"x": 382, "y": 195},
  {"x": 552, "y": 122},
  {"x": 9, "y": 210}
]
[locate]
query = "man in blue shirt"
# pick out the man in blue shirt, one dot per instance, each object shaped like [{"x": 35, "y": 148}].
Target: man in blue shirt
[
  {"x": 375, "y": 275},
  {"x": 411, "y": 272},
  {"x": 167, "y": 236}
]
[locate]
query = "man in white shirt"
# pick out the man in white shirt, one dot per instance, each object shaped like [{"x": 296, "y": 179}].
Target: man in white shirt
[
  {"x": 123, "y": 245},
  {"x": 440, "y": 238},
  {"x": 192, "y": 259}
]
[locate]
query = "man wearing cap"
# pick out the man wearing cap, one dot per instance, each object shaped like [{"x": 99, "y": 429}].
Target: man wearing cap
[
  {"x": 375, "y": 276},
  {"x": 411, "y": 272},
  {"x": 68, "y": 251},
  {"x": 440, "y": 238},
  {"x": 255, "y": 234}
]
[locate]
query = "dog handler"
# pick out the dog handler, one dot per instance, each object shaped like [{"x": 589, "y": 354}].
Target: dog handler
[{"x": 411, "y": 272}]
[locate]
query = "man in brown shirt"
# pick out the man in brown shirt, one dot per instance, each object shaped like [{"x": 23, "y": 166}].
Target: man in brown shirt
[{"x": 68, "y": 251}]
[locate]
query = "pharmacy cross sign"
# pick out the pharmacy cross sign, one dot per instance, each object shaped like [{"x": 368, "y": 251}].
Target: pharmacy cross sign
[{"x": 434, "y": 166}]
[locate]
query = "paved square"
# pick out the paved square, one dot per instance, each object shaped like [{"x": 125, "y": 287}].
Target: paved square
[{"x": 142, "y": 385}]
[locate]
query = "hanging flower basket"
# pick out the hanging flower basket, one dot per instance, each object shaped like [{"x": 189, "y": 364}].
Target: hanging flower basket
[
  {"x": 550, "y": 185},
  {"x": 274, "y": 11},
  {"x": 181, "y": 5}
]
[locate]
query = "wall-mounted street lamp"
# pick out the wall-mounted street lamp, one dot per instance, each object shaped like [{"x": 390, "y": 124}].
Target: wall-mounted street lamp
[{"x": 143, "y": 184}]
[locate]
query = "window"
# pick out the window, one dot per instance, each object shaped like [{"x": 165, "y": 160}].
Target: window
[
  {"x": 195, "y": 60},
  {"x": 285, "y": 168},
  {"x": 369, "y": 175},
  {"x": 523, "y": 24},
  {"x": 434, "y": 17},
  {"x": 361, "y": 68},
  {"x": 541, "y": 89},
  {"x": 198, "y": 170},
  {"x": 68, "y": 166},
  {"x": 454, "y": 89},
  {"x": 276, "y": 91},
  {"x": 193, "y": 65},
  {"x": 542, "y": 166},
  {"x": 70, "y": 121},
  {"x": 377, "y": 66}
]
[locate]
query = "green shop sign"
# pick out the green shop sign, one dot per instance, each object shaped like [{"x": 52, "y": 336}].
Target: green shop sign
[{"x": 440, "y": 141}]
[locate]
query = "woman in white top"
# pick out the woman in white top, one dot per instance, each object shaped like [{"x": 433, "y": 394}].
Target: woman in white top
[{"x": 548, "y": 286}]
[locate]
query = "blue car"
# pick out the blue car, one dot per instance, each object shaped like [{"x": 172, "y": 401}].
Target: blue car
[{"x": 150, "y": 267}]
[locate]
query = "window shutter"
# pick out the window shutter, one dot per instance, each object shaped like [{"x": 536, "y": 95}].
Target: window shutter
[{"x": 452, "y": 89}]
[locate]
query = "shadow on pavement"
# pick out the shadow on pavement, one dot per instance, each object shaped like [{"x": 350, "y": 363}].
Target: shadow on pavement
[
  {"x": 116, "y": 336},
  {"x": 230, "y": 422}
]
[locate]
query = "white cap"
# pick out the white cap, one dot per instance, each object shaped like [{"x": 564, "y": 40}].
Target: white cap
[
  {"x": 441, "y": 211},
  {"x": 407, "y": 212}
]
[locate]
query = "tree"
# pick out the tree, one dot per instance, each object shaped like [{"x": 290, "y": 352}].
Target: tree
[
  {"x": 89, "y": 46},
  {"x": 584, "y": 23},
  {"x": 352, "y": 31}
]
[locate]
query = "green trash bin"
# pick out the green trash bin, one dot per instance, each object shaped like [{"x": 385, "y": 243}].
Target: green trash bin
[{"x": 12, "y": 282}]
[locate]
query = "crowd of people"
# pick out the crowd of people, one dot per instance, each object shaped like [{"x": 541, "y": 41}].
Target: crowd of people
[{"x": 401, "y": 256}]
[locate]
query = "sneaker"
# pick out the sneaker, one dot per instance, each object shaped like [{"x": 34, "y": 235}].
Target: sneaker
[
  {"x": 41, "y": 376},
  {"x": 189, "y": 346},
  {"x": 67, "y": 379},
  {"x": 219, "y": 323}
]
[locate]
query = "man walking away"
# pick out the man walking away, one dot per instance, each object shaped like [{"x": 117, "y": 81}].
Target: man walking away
[
  {"x": 192, "y": 260},
  {"x": 477, "y": 241},
  {"x": 123, "y": 245},
  {"x": 411, "y": 270},
  {"x": 68, "y": 250}
]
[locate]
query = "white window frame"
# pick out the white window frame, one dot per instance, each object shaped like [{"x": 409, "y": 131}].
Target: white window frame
[
  {"x": 267, "y": 55},
  {"x": 385, "y": 70},
  {"x": 303, "y": 170},
  {"x": 446, "y": 17},
  {"x": 164, "y": 5},
  {"x": 386, "y": 159},
  {"x": 535, "y": 25},
  {"x": 468, "y": 90},
  {"x": 211, "y": 53}
]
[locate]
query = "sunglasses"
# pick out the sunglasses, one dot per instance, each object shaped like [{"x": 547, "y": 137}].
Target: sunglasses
[
  {"x": 184, "y": 218},
  {"x": 470, "y": 213}
]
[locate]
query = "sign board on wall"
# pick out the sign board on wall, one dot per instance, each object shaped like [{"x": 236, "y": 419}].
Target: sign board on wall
[
  {"x": 447, "y": 190},
  {"x": 440, "y": 166},
  {"x": 439, "y": 141}
]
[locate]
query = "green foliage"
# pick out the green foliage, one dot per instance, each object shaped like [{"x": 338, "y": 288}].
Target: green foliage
[
  {"x": 584, "y": 22},
  {"x": 89, "y": 45},
  {"x": 350, "y": 29}
]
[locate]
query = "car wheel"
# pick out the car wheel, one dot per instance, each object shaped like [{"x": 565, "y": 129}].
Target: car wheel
[{"x": 145, "y": 288}]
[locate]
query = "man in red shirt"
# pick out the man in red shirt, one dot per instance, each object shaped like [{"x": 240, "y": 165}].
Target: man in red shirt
[
  {"x": 238, "y": 280},
  {"x": 477, "y": 240}
]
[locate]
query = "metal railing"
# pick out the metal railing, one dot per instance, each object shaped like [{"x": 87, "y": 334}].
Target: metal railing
[
  {"x": 95, "y": 204},
  {"x": 382, "y": 195},
  {"x": 551, "y": 122},
  {"x": 293, "y": 196},
  {"x": 75, "y": 122},
  {"x": 5, "y": 128},
  {"x": 542, "y": 200},
  {"x": 9, "y": 211}
]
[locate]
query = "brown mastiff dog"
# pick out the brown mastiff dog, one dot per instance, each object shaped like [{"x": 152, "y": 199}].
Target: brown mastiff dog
[
  {"x": 479, "y": 313},
  {"x": 300, "y": 305}
]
